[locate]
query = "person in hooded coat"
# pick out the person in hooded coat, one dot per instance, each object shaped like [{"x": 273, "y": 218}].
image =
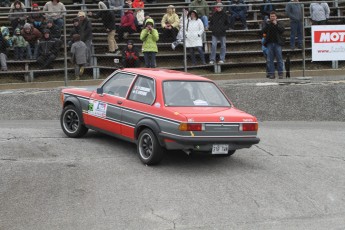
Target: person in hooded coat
[
  {"x": 194, "y": 31},
  {"x": 17, "y": 15},
  {"x": 149, "y": 35},
  {"x": 127, "y": 23},
  {"x": 108, "y": 20},
  {"x": 130, "y": 56}
]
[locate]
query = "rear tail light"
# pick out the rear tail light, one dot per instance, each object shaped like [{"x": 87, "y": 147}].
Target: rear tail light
[
  {"x": 191, "y": 127},
  {"x": 249, "y": 127}
]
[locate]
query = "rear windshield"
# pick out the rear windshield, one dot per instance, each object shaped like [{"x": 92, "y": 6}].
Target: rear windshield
[{"x": 193, "y": 94}]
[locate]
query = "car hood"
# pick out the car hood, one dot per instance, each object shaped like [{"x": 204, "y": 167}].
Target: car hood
[{"x": 213, "y": 114}]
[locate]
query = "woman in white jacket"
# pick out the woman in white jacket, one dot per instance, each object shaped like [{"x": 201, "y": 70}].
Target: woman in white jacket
[{"x": 194, "y": 30}]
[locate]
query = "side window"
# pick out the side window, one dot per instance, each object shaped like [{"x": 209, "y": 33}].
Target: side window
[
  {"x": 143, "y": 90},
  {"x": 118, "y": 85}
]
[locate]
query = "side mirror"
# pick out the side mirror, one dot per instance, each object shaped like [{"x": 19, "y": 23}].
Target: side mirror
[{"x": 100, "y": 91}]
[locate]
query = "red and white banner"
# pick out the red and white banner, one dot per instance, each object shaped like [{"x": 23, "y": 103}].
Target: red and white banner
[{"x": 328, "y": 43}]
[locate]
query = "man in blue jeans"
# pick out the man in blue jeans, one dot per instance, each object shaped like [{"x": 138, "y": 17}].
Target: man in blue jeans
[
  {"x": 274, "y": 41},
  {"x": 219, "y": 23},
  {"x": 294, "y": 12}
]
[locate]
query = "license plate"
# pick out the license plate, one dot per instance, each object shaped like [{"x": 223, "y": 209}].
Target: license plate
[{"x": 220, "y": 149}]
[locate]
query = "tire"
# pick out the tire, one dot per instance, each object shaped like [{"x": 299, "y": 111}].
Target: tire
[
  {"x": 149, "y": 150},
  {"x": 71, "y": 123},
  {"x": 230, "y": 153}
]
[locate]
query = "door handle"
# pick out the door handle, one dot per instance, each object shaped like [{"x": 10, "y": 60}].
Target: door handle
[{"x": 119, "y": 102}]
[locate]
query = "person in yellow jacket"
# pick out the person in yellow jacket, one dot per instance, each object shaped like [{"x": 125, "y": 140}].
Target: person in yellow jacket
[
  {"x": 149, "y": 35},
  {"x": 170, "y": 25}
]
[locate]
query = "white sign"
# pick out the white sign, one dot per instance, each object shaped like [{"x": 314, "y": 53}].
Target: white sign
[
  {"x": 328, "y": 42},
  {"x": 97, "y": 108}
]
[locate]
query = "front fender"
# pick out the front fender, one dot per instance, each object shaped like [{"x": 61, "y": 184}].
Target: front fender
[{"x": 71, "y": 100}]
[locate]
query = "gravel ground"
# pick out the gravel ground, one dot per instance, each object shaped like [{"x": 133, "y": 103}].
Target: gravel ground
[{"x": 318, "y": 99}]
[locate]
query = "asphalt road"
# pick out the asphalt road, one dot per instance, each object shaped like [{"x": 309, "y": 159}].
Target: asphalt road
[{"x": 293, "y": 179}]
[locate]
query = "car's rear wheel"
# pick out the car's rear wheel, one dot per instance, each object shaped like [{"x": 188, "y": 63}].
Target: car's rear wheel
[
  {"x": 71, "y": 122},
  {"x": 149, "y": 150}
]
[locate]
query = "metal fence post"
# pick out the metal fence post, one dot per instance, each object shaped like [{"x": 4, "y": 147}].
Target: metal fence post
[
  {"x": 184, "y": 43},
  {"x": 65, "y": 49},
  {"x": 303, "y": 36}
]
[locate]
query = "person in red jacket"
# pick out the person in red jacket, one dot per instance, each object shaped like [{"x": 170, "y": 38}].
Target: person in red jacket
[
  {"x": 130, "y": 56},
  {"x": 127, "y": 23}
]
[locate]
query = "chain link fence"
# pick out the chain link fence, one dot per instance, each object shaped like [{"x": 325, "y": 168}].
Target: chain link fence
[{"x": 243, "y": 53}]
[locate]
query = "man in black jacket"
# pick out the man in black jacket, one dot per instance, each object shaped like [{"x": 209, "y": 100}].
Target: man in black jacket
[
  {"x": 85, "y": 29},
  {"x": 274, "y": 41},
  {"x": 48, "y": 49},
  {"x": 108, "y": 20},
  {"x": 219, "y": 23}
]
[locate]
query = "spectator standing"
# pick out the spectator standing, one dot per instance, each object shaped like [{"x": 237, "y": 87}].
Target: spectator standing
[
  {"x": 79, "y": 57},
  {"x": 238, "y": 11},
  {"x": 48, "y": 49},
  {"x": 3, "y": 51},
  {"x": 149, "y": 35},
  {"x": 274, "y": 41},
  {"x": 31, "y": 35},
  {"x": 202, "y": 8},
  {"x": 108, "y": 20},
  {"x": 266, "y": 9},
  {"x": 130, "y": 56},
  {"x": 170, "y": 25},
  {"x": 55, "y": 31},
  {"x": 85, "y": 32},
  {"x": 179, "y": 37},
  {"x": 17, "y": 15},
  {"x": 194, "y": 31},
  {"x": 319, "y": 13},
  {"x": 19, "y": 45},
  {"x": 55, "y": 10},
  {"x": 127, "y": 23},
  {"x": 294, "y": 11},
  {"x": 36, "y": 18},
  {"x": 219, "y": 23},
  {"x": 75, "y": 30}
]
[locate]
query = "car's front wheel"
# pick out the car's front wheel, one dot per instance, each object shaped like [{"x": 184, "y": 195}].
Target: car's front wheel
[
  {"x": 149, "y": 150},
  {"x": 71, "y": 122}
]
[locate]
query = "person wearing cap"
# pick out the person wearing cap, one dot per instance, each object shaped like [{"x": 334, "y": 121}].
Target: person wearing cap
[
  {"x": 203, "y": 10},
  {"x": 55, "y": 31},
  {"x": 193, "y": 32},
  {"x": 17, "y": 15},
  {"x": 219, "y": 23},
  {"x": 149, "y": 35},
  {"x": 85, "y": 31},
  {"x": 130, "y": 56},
  {"x": 127, "y": 23},
  {"x": 36, "y": 17},
  {"x": 238, "y": 11},
  {"x": 79, "y": 57},
  {"x": 48, "y": 49},
  {"x": 108, "y": 20},
  {"x": 170, "y": 25},
  {"x": 31, "y": 35},
  {"x": 56, "y": 10},
  {"x": 19, "y": 45}
]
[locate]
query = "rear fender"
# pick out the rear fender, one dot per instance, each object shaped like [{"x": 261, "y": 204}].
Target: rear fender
[{"x": 151, "y": 124}]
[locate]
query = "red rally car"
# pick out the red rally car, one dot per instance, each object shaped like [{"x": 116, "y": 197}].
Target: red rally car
[{"x": 159, "y": 110}]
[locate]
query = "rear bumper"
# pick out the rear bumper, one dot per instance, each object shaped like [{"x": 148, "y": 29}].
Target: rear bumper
[{"x": 206, "y": 143}]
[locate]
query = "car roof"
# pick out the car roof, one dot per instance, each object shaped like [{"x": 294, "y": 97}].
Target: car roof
[{"x": 165, "y": 74}]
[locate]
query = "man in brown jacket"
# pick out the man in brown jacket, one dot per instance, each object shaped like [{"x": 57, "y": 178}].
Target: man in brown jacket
[{"x": 31, "y": 35}]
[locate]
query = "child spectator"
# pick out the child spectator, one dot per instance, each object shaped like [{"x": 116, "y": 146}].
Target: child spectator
[
  {"x": 17, "y": 15},
  {"x": 55, "y": 31},
  {"x": 130, "y": 56},
  {"x": 31, "y": 35},
  {"x": 19, "y": 45},
  {"x": 238, "y": 11},
  {"x": 108, "y": 20},
  {"x": 55, "y": 10},
  {"x": 194, "y": 31},
  {"x": 36, "y": 18},
  {"x": 48, "y": 49},
  {"x": 149, "y": 36},
  {"x": 79, "y": 56},
  {"x": 170, "y": 25},
  {"x": 127, "y": 23},
  {"x": 3, "y": 51},
  {"x": 179, "y": 37},
  {"x": 203, "y": 10}
]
